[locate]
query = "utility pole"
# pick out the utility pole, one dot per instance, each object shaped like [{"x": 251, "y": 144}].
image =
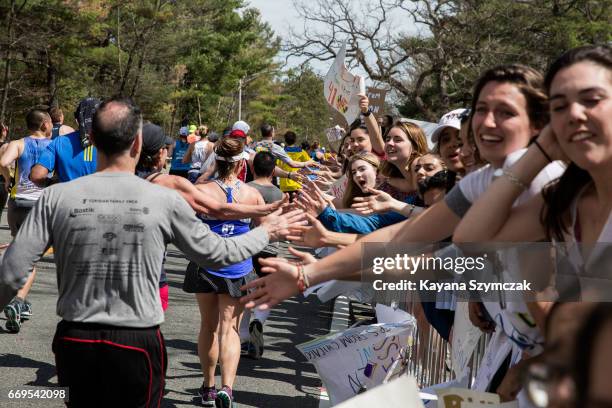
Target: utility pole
[{"x": 240, "y": 99}]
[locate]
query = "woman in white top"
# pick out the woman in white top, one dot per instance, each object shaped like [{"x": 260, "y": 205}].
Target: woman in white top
[{"x": 576, "y": 208}]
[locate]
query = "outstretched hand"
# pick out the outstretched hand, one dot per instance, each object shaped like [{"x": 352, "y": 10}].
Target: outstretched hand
[
  {"x": 279, "y": 225},
  {"x": 281, "y": 283},
  {"x": 313, "y": 236},
  {"x": 378, "y": 202}
]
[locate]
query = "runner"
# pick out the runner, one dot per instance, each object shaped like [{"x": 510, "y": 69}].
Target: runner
[
  {"x": 109, "y": 230},
  {"x": 152, "y": 161},
  {"x": 217, "y": 289},
  {"x": 72, "y": 155},
  {"x": 57, "y": 117},
  {"x": 23, "y": 195}
]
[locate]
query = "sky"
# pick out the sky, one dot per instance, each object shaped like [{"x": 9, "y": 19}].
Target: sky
[{"x": 279, "y": 14}]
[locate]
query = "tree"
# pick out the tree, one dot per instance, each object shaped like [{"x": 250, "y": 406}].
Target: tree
[{"x": 434, "y": 66}]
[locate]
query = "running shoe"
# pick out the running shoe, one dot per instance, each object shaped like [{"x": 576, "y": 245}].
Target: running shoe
[
  {"x": 257, "y": 339},
  {"x": 208, "y": 395},
  {"x": 224, "y": 398},
  {"x": 12, "y": 311},
  {"x": 26, "y": 310}
]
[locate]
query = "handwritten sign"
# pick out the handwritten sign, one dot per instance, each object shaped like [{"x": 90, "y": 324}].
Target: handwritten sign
[
  {"x": 377, "y": 97},
  {"x": 341, "y": 88},
  {"x": 464, "y": 398},
  {"x": 352, "y": 360},
  {"x": 399, "y": 393},
  {"x": 465, "y": 340}
]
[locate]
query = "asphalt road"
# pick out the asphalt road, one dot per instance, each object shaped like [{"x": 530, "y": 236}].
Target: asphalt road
[{"x": 281, "y": 378}]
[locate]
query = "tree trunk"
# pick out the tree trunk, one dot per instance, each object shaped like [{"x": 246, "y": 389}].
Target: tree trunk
[
  {"x": 139, "y": 70},
  {"x": 52, "y": 82},
  {"x": 6, "y": 82}
]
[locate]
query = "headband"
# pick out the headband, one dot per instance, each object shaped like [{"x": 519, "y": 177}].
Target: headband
[{"x": 230, "y": 159}]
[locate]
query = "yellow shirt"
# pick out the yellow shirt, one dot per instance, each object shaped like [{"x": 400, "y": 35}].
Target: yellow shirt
[{"x": 297, "y": 154}]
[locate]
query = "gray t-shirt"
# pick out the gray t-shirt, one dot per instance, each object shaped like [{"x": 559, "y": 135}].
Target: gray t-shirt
[
  {"x": 270, "y": 193},
  {"x": 109, "y": 232}
]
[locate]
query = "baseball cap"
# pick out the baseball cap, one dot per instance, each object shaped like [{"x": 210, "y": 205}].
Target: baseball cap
[
  {"x": 184, "y": 131},
  {"x": 153, "y": 138},
  {"x": 192, "y": 128},
  {"x": 451, "y": 119},
  {"x": 242, "y": 126},
  {"x": 213, "y": 136}
]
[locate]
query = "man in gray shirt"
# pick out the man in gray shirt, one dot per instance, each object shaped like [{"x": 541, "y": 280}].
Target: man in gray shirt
[{"x": 109, "y": 231}]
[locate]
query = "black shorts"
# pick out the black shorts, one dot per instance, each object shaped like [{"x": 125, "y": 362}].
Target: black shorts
[
  {"x": 110, "y": 366},
  {"x": 198, "y": 280},
  {"x": 17, "y": 215}
]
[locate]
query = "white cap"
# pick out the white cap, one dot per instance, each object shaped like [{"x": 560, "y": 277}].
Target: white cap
[
  {"x": 452, "y": 120},
  {"x": 241, "y": 125},
  {"x": 184, "y": 131}
]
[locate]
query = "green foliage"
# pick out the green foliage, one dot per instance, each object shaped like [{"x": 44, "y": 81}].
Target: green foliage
[{"x": 177, "y": 59}]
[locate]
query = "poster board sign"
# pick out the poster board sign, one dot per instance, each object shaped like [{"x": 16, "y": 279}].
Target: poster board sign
[
  {"x": 334, "y": 137},
  {"x": 349, "y": 360},
  {"x": 342, "y": 89},
  {"x": 377, "y": 97},
  {"x": 402, "y": 392},
  {"x": 465, "y": 340},
  {"x": 465, "y": 398}
]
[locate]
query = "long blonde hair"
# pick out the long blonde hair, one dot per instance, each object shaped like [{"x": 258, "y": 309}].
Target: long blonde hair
[{"x": 352, "y": 189}]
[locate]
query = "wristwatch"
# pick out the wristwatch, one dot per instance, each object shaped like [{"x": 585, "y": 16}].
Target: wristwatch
[{"x": 368, "y": 113}]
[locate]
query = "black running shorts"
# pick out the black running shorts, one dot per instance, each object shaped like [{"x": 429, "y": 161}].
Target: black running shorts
[{"x": 110, "y": 366}]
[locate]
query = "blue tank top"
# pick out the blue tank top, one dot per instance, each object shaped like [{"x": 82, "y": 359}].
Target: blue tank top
[
  {"x": 24, "y": 188},
  {"x": 180, "y": 148},
  {"x": 226, "y": 229}
]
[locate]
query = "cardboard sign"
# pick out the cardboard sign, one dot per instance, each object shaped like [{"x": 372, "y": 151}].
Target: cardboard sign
[
  {"x": 464, "y": 398},
  {"x": 465, "y": 340},
  {"x": 342, "y": 89},
  {"x": 377, "y": 100},
  {"x": 357, "y": 358},
  {"x": 399, "y": 393}
]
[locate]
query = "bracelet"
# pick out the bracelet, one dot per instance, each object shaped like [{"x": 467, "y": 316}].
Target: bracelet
[
  {"x": 515, "y": 180},
  {"x": 535, "y": 142},
  {"x": 302, "y": 282}
]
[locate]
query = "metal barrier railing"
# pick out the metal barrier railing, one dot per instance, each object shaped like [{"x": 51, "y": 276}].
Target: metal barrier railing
[{"x": 429, "y": 356}]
